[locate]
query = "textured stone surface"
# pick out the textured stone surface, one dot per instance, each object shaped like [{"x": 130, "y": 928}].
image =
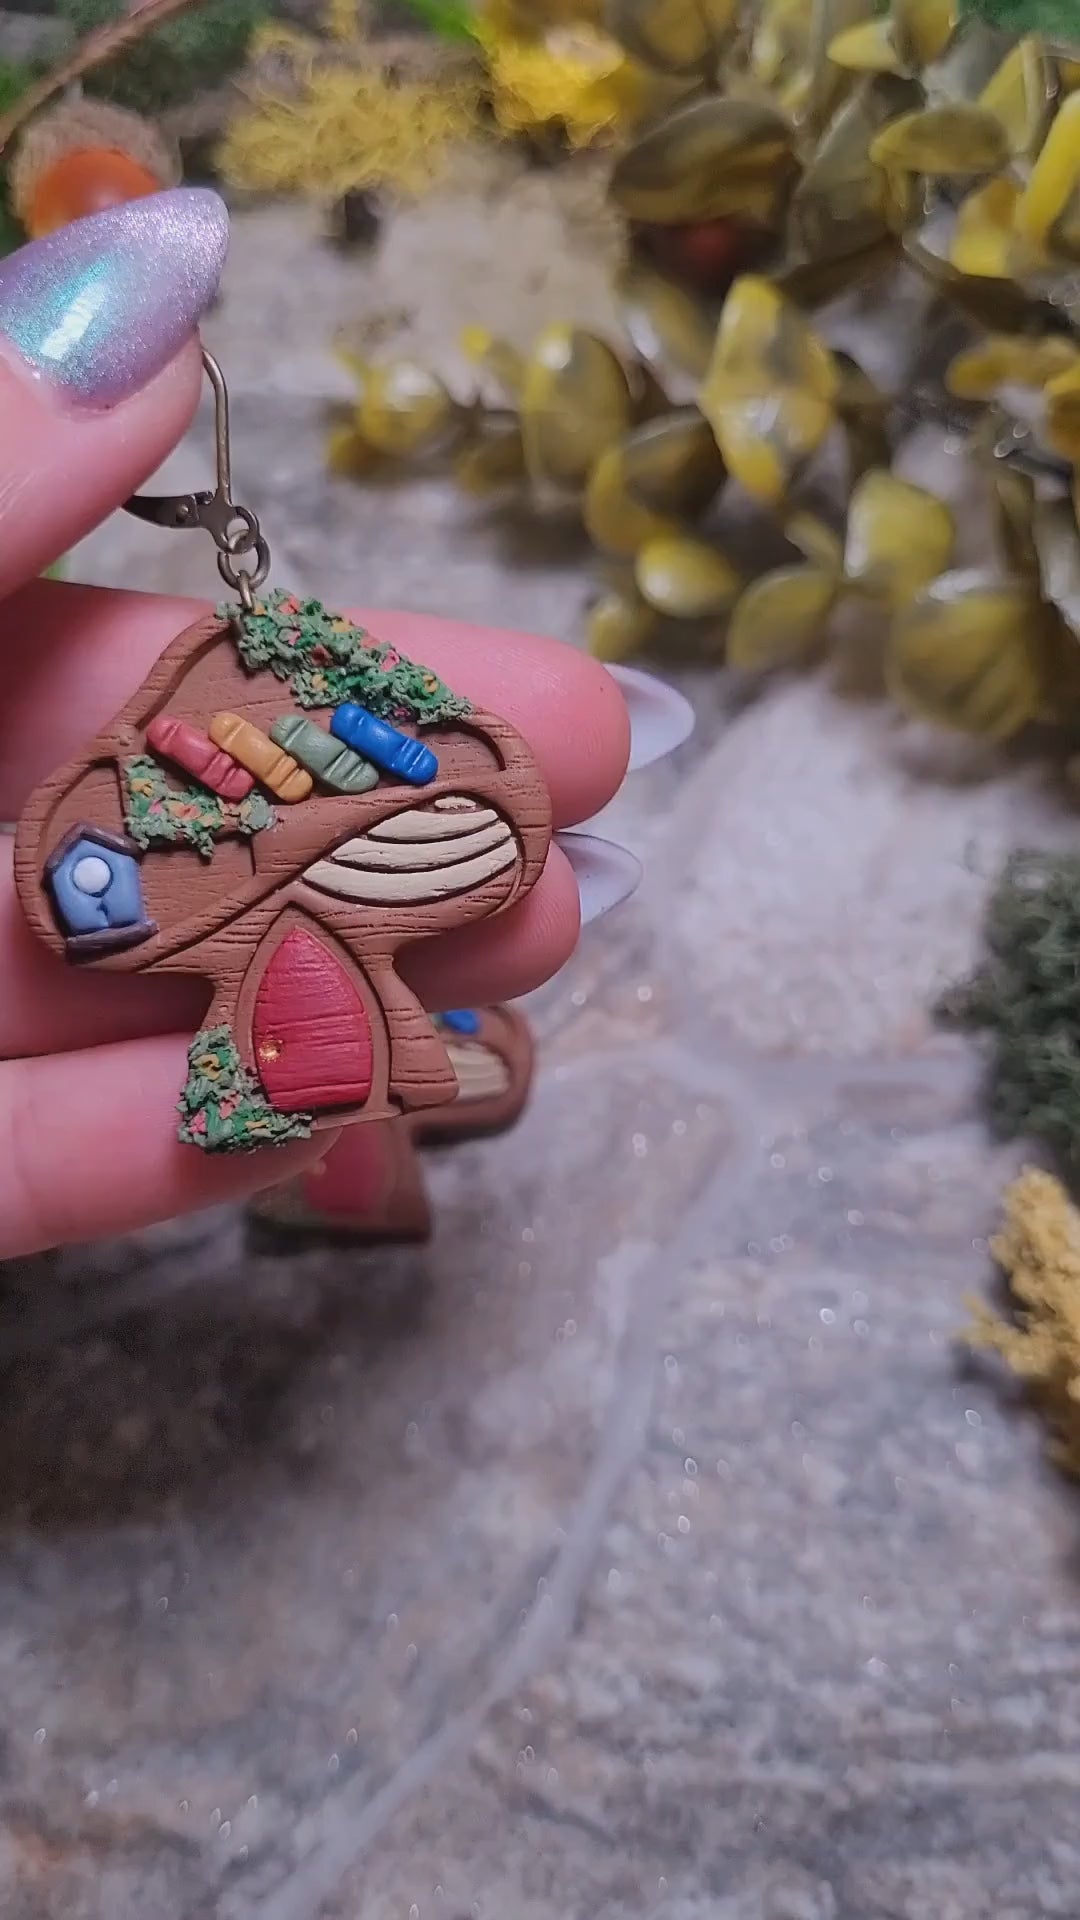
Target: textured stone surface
[{"x": 644, "y": 1549}]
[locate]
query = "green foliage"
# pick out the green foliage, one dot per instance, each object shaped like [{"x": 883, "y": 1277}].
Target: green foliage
[
  {"x": 325, "y": 660},
  {"x": 160, "y": 814},
  {"x": 14, "y": 80},
  {"x": 447, "y": 18},
  {"x": 1052, "y": 17},
  {"x": 197, "y": 50},
  {"x": 1025, "y": 999},
  {"x": 222, "y": 1107},
  {"x": 11, "y": 233}
]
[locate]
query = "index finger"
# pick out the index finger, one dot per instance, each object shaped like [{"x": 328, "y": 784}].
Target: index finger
[
  {"x": 99, "y": 365},
  {"x": 92, "y": 646}
]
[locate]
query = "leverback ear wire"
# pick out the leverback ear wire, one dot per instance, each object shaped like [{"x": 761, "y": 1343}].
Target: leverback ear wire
[{"x": 235, "y": 529}]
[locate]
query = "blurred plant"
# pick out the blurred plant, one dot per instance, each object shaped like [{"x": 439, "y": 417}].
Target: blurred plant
[
  {"x": 831, "y": 144},
  {"x": 984, "y": 650},
  {"x": 1023, "y": 1002},
  {"x": 65, "y": 153},
  {"x": 345, "y": 111},
  {"x": 1039, "y": 1249},
  {"x": 569, "y": 81},
  {"x": 327, "y": 115},
  {"x": 166, "y": 65}
]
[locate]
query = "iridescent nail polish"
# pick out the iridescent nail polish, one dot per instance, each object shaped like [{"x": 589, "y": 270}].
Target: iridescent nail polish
[{"x": 99, "y": 307}]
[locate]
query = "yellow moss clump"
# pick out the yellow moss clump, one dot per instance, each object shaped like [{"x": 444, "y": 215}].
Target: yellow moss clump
[
  {"x": 574, "y": 78},
  {"x": 327, "y": 126},
  {"x": 1039, "y": 1249}
]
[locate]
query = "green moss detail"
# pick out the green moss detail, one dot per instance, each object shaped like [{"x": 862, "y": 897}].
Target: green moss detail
[
  {"x": 159, "y": 814},
  {"x": 324, "y": 660},
  {"x": 223, "y": 1108},
  {"x": 1025, "y": 999}
]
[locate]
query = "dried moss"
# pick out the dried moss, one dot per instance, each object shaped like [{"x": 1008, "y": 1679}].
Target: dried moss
[
  {"x": 1039, "y": 1249},
  {"x": 1024, "y": 999},
  {"x": 324, "y": 660},
  {"x": 157, "y": 813},
  {"x": 223, "y": 1108}
]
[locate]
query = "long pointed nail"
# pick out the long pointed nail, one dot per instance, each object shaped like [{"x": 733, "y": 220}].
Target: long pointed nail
[
  {"x": 660, "y": 718},
  {"x": 101, "y": 306},
  {"x": 606, "y": 874}
]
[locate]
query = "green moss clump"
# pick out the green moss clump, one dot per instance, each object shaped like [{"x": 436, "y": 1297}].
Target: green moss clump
[
  {"x": 223, "y": 1108},
  {"x": 1025, "y": 999},
  {"x": 167, "y": 67},
  {"x": 158, "y": 814},
  {"x": 324, "y": 660}
]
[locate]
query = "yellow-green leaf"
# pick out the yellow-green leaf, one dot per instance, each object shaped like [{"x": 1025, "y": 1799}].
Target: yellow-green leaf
[
  {"x": 867, "y": 48},
  {"x": 713, "y": 155},
  {"x": 1020, "y": 94},
  {"x": 673, "y": 464},
  {"x": 781, "y": 618},
  {"x": 821, "y": 546},
  {"x": 922, "y": 30},
  {"x": 1010, "y": 359},
  {"x": 770, "y": 390},
  {"x": 405, "y": 409},
  {"x": 1055, "y": 176},
  {"x": 614, "y": 520},
  {"x": 1062, "y": 422},
  {"x": 575, "y": 403},
  {"x": 962, "y": 656},
  {"x": 673, "y": 36},
  {"x": 953, "y": 140},
  {"x": 899, "y": 537},
  {"x": 685, "y": 579},
  {"x": 616, "y": 628},
  {"x": 666, "y": 324},
  {"x": 492, "y": 462},
  {"x": 984, "y": 238}
]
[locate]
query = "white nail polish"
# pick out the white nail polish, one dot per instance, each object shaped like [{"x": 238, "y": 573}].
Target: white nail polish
[
  {"x": 660, "y": 718},
  {"x": 606, "y": 873}
]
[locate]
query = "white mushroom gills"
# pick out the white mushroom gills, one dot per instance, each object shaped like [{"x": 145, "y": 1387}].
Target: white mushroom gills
[{"x": 422, "y": 854}]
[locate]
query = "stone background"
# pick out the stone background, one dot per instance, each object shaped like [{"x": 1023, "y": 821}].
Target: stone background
[{"x": 644, "y": 1549}]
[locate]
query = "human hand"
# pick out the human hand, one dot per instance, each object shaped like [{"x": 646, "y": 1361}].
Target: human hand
[{"x": 99, "y": 378}]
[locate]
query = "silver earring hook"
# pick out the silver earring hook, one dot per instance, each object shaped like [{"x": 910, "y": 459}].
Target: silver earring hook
[{"x": 235, "y": 529}]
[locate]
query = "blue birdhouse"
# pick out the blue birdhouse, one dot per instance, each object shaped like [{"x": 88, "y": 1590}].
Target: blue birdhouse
[{"x": 93, "y": 877}]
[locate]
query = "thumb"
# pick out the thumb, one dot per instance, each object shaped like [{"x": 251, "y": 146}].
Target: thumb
[{"x": 99, "y": 368}]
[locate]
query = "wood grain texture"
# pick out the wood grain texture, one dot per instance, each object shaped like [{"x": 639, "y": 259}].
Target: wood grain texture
[{"x": 216, "y": 919}]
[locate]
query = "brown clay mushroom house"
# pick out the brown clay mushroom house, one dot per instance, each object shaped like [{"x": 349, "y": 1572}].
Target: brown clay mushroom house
[{"x": 282, "y": 805}]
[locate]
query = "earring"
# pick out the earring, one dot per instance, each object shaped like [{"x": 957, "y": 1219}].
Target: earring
[{"x": 283, "y": 804}]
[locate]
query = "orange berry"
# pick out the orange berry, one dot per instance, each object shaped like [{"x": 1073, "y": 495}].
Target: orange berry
[{"x": 85, "y": 180}]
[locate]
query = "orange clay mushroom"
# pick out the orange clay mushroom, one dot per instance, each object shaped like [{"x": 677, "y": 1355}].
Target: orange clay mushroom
[{"x": 82, "y": 157}]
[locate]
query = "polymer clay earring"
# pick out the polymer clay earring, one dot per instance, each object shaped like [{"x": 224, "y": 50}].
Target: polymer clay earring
[
  {"x": 371, "y": 1188},
  {"x": 284, "y": 803}
]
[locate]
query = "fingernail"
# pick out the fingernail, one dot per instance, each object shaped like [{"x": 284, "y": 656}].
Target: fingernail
[
  {"x": 99, "y": 307},
  {"x": 660, "y": 718},
  {"x": 606, "y": 874}
]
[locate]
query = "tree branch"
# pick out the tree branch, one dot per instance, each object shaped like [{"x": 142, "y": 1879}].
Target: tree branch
[{"x": 105, "y": 43}]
